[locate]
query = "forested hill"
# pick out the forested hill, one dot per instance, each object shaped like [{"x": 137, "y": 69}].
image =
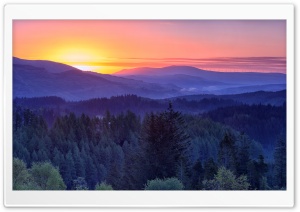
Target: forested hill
[
  {"x": 263, "y": 123},
  {"x": 259, "y": 97},
  {"x": 127, "y": 152},
  {"x": 119, "y": 104},
  {"x": 187, "y": 104}
]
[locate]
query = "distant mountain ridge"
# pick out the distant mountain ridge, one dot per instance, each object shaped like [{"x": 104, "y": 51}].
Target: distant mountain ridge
[
  {"x": 194, "y": 104},
  {"x": 38, "y": 78},
  {"x": 168, "y": 70},
  {"x": 197, "y": 81},
  {"x": 225, "y": 77},
  {"x": 47, "y": 65}
]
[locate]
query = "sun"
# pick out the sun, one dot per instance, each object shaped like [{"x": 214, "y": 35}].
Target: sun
[
  {"x": 85, "y": 59},
  {"x": 77, "y": 57},
  {"x": 88, "y": 68},
  {"x": 78, "y": 54}
]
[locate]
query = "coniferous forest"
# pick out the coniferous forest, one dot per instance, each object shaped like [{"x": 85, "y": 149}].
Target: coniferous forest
[
  {"x": 133, "y": 143},
  {"x": 149, "y": 104}
]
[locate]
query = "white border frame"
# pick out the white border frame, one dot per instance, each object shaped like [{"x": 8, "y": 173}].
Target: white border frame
[{"x": 147, "y": 198}]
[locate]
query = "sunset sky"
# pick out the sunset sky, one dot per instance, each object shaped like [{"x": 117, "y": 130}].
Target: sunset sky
[{"x": 108, "y": 46}]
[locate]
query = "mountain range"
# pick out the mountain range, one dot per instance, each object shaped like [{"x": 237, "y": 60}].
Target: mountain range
[
  {"x": 194, "y": 104},
  {"x": 38, "y": 78}
]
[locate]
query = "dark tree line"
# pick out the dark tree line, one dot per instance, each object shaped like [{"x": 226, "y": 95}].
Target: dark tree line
[
  {"x": 263, "y": 123},
  {"x": 52, "y": 107},
  {"x": 125, "y": 151}
]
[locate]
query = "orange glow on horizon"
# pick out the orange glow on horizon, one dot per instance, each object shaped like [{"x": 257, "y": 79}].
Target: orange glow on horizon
[{"x": 110, "y": 46}]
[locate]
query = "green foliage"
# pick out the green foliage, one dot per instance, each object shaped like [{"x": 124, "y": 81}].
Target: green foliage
[
  {"x": 103, "y": 186},
  {"x": 127, "y": 150},
  {"x": 80, "y": 184},
  {"x": 22, "y": 180},
  {"x": 47, "y": 177},
  {"x": 226, "y": 180},
  {"x": 164, "y": 184},
  {"x": 20, "y": 173},
  {"x": 42, "y": 176}
]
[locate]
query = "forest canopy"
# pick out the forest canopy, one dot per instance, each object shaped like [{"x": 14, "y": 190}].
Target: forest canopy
[{"x": 227, "y": 148}]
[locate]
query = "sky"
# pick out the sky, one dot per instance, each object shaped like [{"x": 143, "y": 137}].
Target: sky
[{"x": 108, "y": 46}]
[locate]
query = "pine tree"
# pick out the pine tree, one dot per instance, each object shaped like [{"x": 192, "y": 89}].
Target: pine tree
[
  {"x": 78, "y": 162},
  {"x": 91, "y": 173},
  {"x": 165, "y": 143},
  {"x": 42, "y": 155},
  {"x": 197, "y": 176},
  {"x": 227, "y": 153},
  {"x": 280, "y": 164},
  {"x": 70, "y": 171},
  {"x": 116, "y": 171},
  {"x": 256, "y": 172},
  {"x": 210, "y": 169},
  {"x": 57, "y": 158},
  {"x": 34, "y": 156},
  {"x": 134, "y": 177},
  {"x": 243, "y": 155}
]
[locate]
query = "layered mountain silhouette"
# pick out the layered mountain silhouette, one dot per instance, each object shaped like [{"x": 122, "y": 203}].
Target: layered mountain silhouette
[
  {"x": 202, "y": 81},
  {"x": 37, "y": 78}
]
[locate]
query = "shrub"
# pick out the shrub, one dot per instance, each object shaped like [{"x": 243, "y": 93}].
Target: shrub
[
  {"x": 103, "y": 186},
  {"x": 226, "y": 180},
  {"x": 164, "y": 184}
]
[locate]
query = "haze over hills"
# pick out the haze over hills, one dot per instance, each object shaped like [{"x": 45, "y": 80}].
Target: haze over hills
[
  {"x": 234, "y": 78},
  {"x": 37, "y": 78},
  {"x": 276, "y": 98},
  {"x": 32, "y": 80}
]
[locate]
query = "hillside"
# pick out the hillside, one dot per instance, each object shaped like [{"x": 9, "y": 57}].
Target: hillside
[{"x": 37, "y": 78}]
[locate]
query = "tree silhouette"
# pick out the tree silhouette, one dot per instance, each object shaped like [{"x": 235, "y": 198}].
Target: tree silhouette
[{"x": 165, "y": 143}]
